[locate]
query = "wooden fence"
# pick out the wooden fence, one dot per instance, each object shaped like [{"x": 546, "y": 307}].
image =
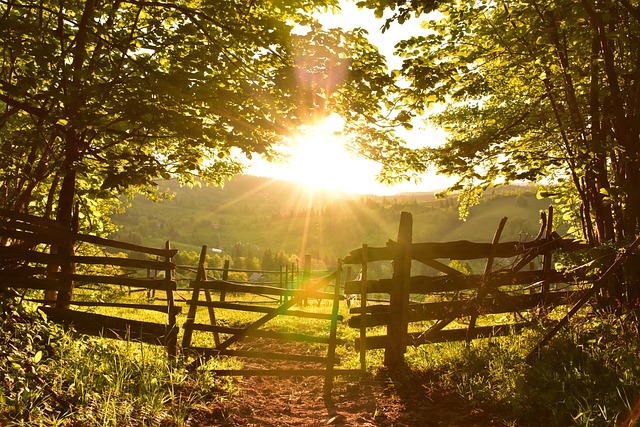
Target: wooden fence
[
  {"x": 450, "y": 295},
  {"x": 288, "y": 276},
  {"x": 29, "y": 259}
]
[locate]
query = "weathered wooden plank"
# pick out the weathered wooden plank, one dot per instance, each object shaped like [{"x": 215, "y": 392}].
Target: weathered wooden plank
[
  {"x": 23, "y": 270},
  {"x": 51, "y": 236},
  {"x": 333, "y": 340},
  {"x": 33, "y": 228},
  {"x": 398, "y": 322},
  {"x": 225, "y": 286},
  {"x": 460, "y": 250},
  {"x": 484, "y": 285},
  {"x": 148, "y": 307},
  {"x": 448, "y": 335},
  {"x": 157, "y": 284},
  {"x": 124, "y": 262},
  {"x": 163, "y": 252},
  {"x": 110, "y": 327},
  {"x": 10, "y": 280},
  {"x": 23, "y": 217},
  {"x": 10, "y": 252},
  {"x": 31, "y": 238},
  {"x": 379, "y": 315},
  {"x": 287, "y": 336},
  {"x": 362, "y": 348},
  {"x": 437, "y": 265},
  {"x": 431, "y": 284},
  {"x": 260, "y": 309},
  {"x": 211, "y": 352}
]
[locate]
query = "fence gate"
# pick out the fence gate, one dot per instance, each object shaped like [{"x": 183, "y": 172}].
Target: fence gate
[{"x": 229, "y": 339}]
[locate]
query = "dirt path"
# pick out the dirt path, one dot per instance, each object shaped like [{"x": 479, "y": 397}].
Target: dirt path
[{"x": 379, "y": 401}]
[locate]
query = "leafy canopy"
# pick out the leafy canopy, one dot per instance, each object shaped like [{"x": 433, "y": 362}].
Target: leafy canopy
[
  {"x": 533, "y": 90},
  {"x": 102, "y": 97}
]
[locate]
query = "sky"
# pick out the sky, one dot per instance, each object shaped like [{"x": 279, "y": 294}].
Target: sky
[{"x": 319, "y": 159}]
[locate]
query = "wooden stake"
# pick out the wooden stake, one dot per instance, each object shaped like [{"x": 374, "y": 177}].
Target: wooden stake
[
  {"x": 172, "y": 327},
  {"x": 333, "y": 333},
  {"x": 363, "y": 306},
  {"x": 481, "y": 292},
  {"x": 397, "y": 328}
]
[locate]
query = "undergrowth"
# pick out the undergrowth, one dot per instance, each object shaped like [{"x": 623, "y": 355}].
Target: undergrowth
[
  {"x": 588, "y": 375},
  {"x": 50, "y": 377}
]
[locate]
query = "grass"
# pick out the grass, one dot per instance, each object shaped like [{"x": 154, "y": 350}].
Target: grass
[
  {"x": 588, "y": 375},
  {"x": 53, "y": 378}
]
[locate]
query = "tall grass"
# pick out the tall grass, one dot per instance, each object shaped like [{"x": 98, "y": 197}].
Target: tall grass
[
  {"x": 588, "y": 375},
  {"x": 53, "y": 378}
]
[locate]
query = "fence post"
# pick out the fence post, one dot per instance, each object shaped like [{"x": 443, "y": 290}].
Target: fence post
[
  {"x": 68, "y": 267},
  {"x": 306, "y": 274},
  {"x": 283, "y": 282},
  {"x": 481, "y": 292},
  {"x": 202, "y": 271},
  {"x": 295, "y": 275},
  {"x": 397, "y": 328},
  {"x": 172, "y": 328},
  {"x": 363, "y": 306},
  {"x": 201, "y": 275},
  {"x": 225, "y": 277},
  {"x": 286, "y": 280},
  {"x": 546, "y": 261},
  {"x": 333, "y": 332}
]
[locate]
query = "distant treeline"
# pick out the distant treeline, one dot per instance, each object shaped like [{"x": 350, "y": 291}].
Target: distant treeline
[{"x": 260, "y": 223}]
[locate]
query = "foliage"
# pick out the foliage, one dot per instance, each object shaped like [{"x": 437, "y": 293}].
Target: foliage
[
  {"x": 27, "y": 341},
  {"x": 51, "y": 377},
  {"x": 100, "y": 98},
  {"x": 587, "y": 375},
  {"x": 536, "y": 90}
]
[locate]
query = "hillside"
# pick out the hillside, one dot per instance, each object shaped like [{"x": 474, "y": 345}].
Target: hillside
[{"x": 265, "y": 214}]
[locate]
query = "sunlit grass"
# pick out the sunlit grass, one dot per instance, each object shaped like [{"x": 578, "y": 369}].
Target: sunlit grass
[
  {"x": 92, "y": 381},
  {"x": 589, "y": 374}
]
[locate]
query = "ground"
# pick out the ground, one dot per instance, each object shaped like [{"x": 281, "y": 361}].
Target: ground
[
  {"x": 355, "y": 401},
  {"x": 393, "y": 399}
]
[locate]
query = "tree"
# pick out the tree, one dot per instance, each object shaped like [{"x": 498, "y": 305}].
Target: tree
[
  {"x": 98, "y": 98},
  {"x": 534, "y": 90},
  {"x": 267, "y": 260}
]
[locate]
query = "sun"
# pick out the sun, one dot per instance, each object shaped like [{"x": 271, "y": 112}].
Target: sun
[{"x": 317, "y": 156}]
